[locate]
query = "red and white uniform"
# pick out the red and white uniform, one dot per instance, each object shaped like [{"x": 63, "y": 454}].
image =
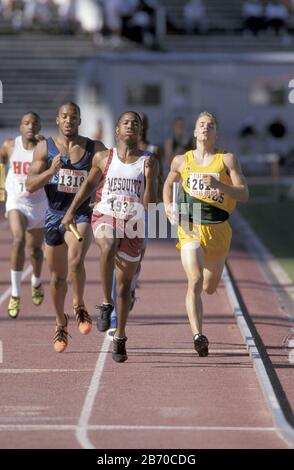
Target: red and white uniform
[
  {"x": 32, "y": 205},
  {"x": 119, "y": 204}
]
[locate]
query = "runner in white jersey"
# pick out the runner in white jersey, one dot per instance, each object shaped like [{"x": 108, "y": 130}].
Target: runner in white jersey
[
  {"x": 127, "y": 180},
  {"x": 119, "y": 198},
  {"x": 31, "y": 205},
  {"x": 25, "y": 212},
  {"x": 153, "y": 150}
]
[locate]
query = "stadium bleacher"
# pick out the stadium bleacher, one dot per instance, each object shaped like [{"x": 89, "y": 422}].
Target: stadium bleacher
[
  {"x": 38, "y": 71},
  {"x": 32, "y": 62},
  {"x": 225, "y": 31}
]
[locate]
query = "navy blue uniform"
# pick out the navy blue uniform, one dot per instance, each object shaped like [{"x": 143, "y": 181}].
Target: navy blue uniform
[{"x": 61, "y": 190}]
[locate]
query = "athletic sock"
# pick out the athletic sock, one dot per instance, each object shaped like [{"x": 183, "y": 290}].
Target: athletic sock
[
  {"x": 36, "y": 281},
  {"x": 15, "y": 277}
]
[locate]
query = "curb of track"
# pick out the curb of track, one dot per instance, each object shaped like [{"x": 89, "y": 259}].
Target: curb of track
[{"x": 265, "y": 372}]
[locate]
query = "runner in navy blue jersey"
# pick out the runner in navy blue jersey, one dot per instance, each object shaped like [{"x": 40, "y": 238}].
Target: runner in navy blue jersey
[{"x": 61, "y": 164}]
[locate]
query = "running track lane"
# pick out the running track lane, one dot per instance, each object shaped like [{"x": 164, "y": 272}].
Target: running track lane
[{"x": 164, "y": 396}]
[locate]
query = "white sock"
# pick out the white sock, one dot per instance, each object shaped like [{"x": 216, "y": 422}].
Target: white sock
[
  {"x": 36, "y": 281},
  {"x": 15, "y": 277}
]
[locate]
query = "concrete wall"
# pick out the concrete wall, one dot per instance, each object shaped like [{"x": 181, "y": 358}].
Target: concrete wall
[{"x": 220, "y": 83}]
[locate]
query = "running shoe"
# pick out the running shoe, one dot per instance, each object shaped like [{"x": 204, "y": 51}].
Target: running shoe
[
  {"x": 119, "y": 352},
  {"x": 201, "y": 345},
  {"x": 83, "y": 319},
  {"x": 60, "y": 339},
  {"x": 13, "y": 307},
  {"x": 37, "y": 294},
  {"x": 104, "y": 316}
]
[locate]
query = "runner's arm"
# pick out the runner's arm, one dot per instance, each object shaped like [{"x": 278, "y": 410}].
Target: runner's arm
[
  {"x": 239, "y": 189},
  {"x": 173, "y": 177},
  {"x": 151, "y": 172},
  {"x": 86, "y": 189},
  {"x": 6, "y": 150},
  {"x": 39, "y": 173}
]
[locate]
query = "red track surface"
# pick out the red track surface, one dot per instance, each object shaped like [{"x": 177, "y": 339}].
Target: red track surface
[{"x": 164, "y": 396}]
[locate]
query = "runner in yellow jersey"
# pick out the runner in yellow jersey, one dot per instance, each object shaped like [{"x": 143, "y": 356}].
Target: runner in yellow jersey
[{"x": 211, "y": 184}]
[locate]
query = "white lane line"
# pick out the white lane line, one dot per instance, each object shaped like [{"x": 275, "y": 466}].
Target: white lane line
[
  {"x": 37, "y": 427},
  {"x": 7, "y": 293},
  {"x": 83, "y": 423},
  {"x": 283, "y": 429},
  {"x": 69, "y": 427}
]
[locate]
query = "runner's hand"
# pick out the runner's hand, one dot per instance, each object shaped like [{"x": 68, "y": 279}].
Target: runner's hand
[
  {"x": 56, "y": 164},
  {"x": 150, "y": 168},
  {"x": 210, "y": 181},
  {"x": 169, "y": 212},
  {"x": 39, "y": 137},
  {"x": 68, "y": 219}
]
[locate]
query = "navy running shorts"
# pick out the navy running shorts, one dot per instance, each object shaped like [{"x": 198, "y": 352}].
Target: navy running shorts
[{"x": 53, "y": 233}]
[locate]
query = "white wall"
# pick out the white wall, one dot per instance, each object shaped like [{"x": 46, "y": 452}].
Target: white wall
[{"x": 217, "y": 83}]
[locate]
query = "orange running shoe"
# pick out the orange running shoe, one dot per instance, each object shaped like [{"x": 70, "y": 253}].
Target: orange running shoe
[
  {"x": 83, "y": 319},
  {"x": 61, "y": 337}
]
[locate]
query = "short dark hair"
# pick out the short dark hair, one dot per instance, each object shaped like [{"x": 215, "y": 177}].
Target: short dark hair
[
  {"x": 33, "y": 114},
  {"x": 130, "y": 112},
  {"x": 72, "y": 104}
]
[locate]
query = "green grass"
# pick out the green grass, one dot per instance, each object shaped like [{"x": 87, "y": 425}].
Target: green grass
[{"x": 273, "y": 222}]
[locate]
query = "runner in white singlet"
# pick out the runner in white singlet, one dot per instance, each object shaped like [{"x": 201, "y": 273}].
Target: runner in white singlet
[
  {"x": 127, "y": 179},
  {"x": 32, "y": 206},
  {"x": 25, "y": 212},
  {"x": 154, "y": 151}
]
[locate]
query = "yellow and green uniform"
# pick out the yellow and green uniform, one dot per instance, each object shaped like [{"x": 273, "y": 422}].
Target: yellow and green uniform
[{"x": 204, "y": 211}]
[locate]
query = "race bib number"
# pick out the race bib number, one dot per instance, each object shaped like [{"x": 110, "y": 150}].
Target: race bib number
[
  {"x": 123, "y": 207},
  {"x": 20, "y": 186},
  {"x": 198, "y": 188},
  {"x": 69, "y": 181}
]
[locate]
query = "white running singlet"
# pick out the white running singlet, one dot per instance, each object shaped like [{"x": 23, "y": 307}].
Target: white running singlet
[
  {"x": 32, "y": 205},
  {"x": 123, "y": 189}
]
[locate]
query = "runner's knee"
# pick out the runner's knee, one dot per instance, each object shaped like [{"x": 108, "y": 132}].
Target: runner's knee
[
  {"x": 37, "y": 253},
  {"x": 195, "y": 283},
  {"x": 123, "y": 289},
  {"x": 75, "y": 263},
  {"x": 58, "y": 282},
  {"x": 209, "y": 288},
  {"x": 18, "y": 241}
]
